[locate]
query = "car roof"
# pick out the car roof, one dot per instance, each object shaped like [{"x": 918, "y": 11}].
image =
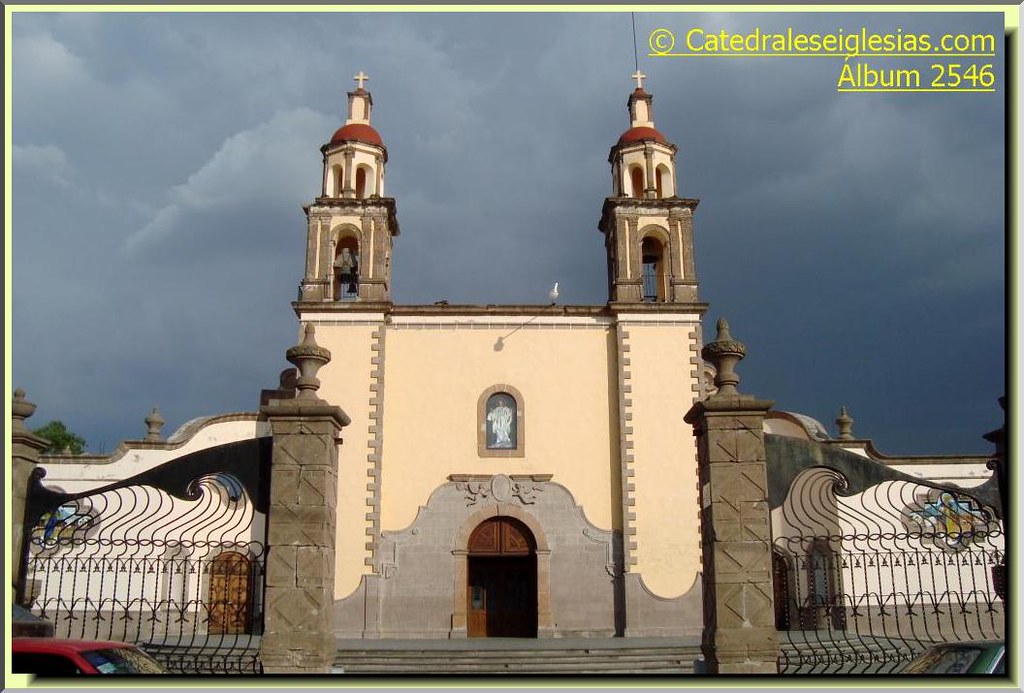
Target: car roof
[
  {"x": 968, "y": 643},
  {"x": 63, "y": 645}
]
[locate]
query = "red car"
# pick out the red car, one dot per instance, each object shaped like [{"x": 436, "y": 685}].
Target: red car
[{"x": 58, "y": 657}]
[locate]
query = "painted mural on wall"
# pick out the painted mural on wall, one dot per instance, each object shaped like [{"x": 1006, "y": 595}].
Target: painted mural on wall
[{"x": 952, "y": 522}]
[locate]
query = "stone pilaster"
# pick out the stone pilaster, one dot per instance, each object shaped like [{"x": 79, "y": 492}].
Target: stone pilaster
[
  {"x": 26, "y": 448},
  {"x": 298, "y": 635},
  {"x": 739, "y": 612}
]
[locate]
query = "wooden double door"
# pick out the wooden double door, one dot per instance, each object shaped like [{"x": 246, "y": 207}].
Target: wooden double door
[{"x": 502, "y": 581}]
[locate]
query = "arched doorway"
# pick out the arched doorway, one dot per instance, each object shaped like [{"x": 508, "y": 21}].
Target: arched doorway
[
  {"x": 230, "y": 592},
  {"x": 780, "y": 581},
  {"x": 501, "y": 589}
]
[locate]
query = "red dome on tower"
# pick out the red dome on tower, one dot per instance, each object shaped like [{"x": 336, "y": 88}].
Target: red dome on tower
[
  {"x": 357, "y": 132},
  {"x": 640, "y": 133}
]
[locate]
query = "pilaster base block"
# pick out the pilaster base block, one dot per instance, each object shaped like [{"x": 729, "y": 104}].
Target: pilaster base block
[
  {"x": 747, "y": 666},
  {"x": 742, "y": 650},
  {"x": 297, "y": 653}
]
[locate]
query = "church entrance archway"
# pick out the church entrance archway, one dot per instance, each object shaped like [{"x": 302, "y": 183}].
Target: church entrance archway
[{"x": 501, "y": 585}]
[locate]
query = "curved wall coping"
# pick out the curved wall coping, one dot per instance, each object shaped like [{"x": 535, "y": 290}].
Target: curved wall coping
[{"x": 81, "y": 472}]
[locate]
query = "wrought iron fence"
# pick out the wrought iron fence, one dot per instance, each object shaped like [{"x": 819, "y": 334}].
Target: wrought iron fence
[
  {"x": 181, "y": 574},
  {"x": 865, "y": 581}
]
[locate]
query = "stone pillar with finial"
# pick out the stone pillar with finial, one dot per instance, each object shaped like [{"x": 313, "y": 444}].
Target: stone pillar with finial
[
  {"x": 739, "y": 614},
  {"x": 154, "y": 424},
  {"x": 845, "y": 424},
  {"x": 298, "y": 634},
  {"x": 26, "y": 449}
]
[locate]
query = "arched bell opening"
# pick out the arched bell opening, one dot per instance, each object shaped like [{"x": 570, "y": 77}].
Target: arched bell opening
[
  {"x": 652, "y": 256},
  {"x": 663, "y": 181},
  {"x": 346, "y": 269},
  {"x": 636, "y": 180},
  {"x": 334, "y": 185},
  {"x": 364, "y": 182}
]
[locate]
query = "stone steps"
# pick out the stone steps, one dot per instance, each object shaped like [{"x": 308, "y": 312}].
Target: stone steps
[{"x": 551, "y": 658}]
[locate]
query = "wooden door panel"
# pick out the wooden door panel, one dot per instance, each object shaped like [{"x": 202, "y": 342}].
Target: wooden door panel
[
  {"x": 485, "y": 537},
  {"x": 513, "y": 541},
  {"x": 230, "y": 587},
  {"x": 477, "y": 621},
  {"x": 501, "y": 536},
  {"x": 502, "y": 597}
]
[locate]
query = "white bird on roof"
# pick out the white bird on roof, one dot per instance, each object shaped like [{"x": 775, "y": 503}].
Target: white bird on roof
[{"x": 553, "y": 294}]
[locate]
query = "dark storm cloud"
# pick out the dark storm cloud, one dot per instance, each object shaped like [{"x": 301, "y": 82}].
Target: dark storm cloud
[{"x": 854, "y": 241}]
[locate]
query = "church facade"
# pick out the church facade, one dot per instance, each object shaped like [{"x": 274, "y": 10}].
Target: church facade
[
  {"x": 511, "y": 470},
  {"x": 469, "y": 471}
]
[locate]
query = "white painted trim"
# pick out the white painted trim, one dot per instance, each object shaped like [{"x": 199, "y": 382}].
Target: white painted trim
[
  {"x": 681, "y": 318},
  {"x": 498, "y": 320},
  {"x": 337, "y": 318}
]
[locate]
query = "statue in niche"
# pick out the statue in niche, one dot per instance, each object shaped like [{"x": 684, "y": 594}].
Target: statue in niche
[
  {"x": 347, "y": 266},
  {"x": 501, "y": 414}
]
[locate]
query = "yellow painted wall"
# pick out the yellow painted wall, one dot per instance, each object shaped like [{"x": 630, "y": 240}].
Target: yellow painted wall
[
  {"x": 434, "y": 380},
  {"x": 345, "y": 382},
  {"x": 568, "y": 378},
  {"x": 665, "y": 457}
]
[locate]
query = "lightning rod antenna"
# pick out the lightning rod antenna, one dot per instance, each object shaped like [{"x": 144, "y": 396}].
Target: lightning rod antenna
[{"x": 636, "y": 58}]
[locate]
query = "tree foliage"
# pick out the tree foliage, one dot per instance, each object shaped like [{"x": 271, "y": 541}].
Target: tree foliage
[{"x": 60, "y": 438}]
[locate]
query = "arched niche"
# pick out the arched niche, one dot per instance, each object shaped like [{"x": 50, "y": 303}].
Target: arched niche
[{"x": 501, "y": 433}]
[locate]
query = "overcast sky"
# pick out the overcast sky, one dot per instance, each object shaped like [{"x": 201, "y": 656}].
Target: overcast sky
[{"x": 855, "y": 242}]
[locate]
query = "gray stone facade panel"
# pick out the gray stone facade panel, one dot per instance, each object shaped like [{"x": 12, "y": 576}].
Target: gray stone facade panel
[{"x": 420, "y": 591}]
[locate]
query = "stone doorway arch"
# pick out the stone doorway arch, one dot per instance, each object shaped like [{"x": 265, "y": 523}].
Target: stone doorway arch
[{"x": 497, "y": 517}]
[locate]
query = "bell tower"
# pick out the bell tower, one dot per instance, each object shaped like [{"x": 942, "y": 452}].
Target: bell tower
[
  {"x": 648, "y": 229},
  {"x": 350, "y": 226}
]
